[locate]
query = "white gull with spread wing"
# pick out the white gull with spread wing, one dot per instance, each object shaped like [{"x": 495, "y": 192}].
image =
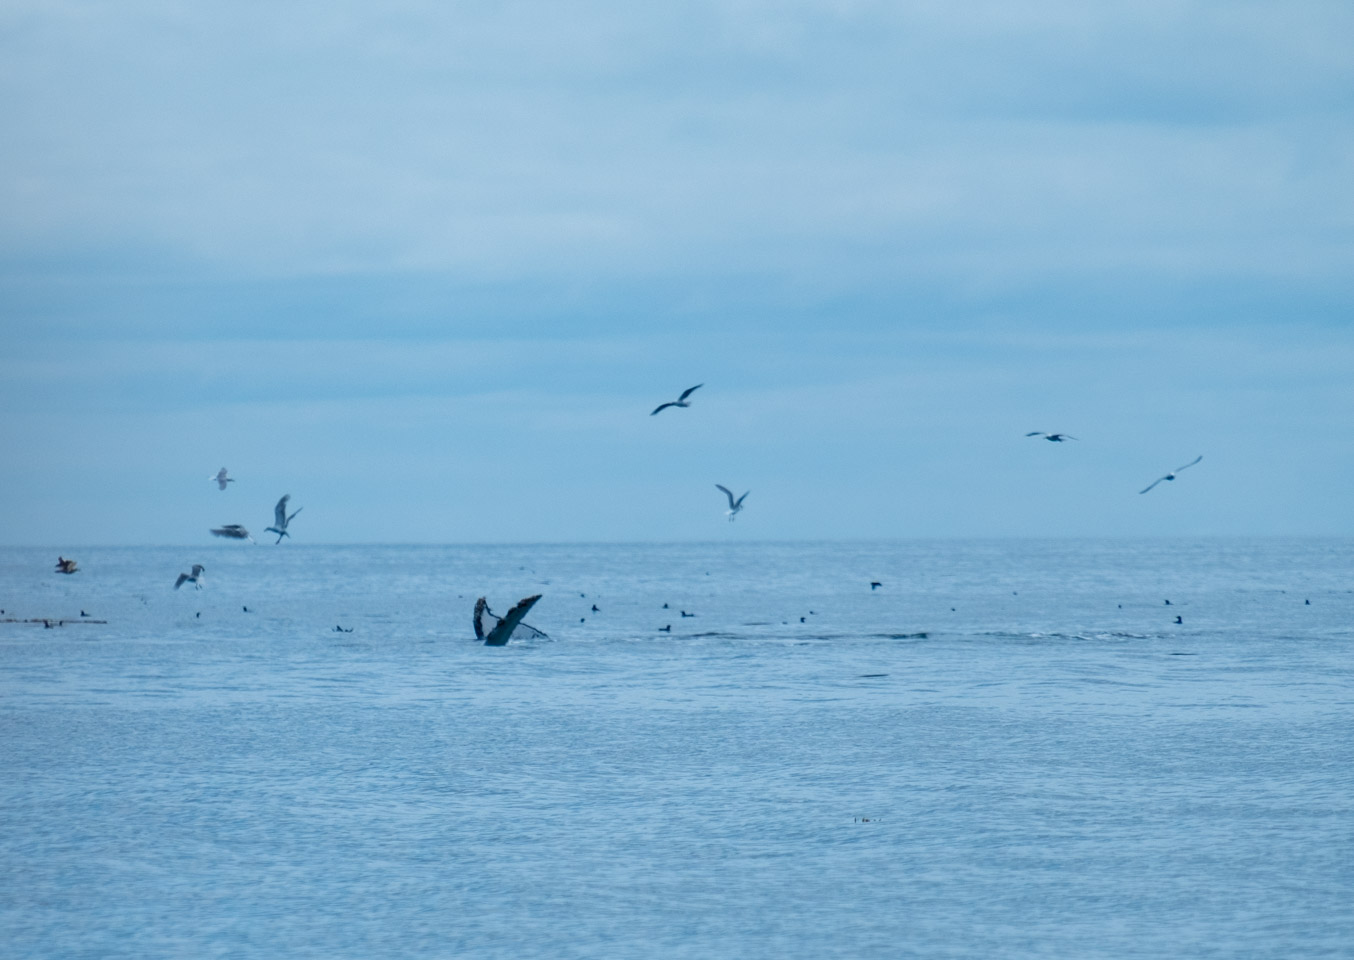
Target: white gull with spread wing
[
  {"x": 1171, "y": 475},
  {"x": 734, "y": 505},
  {"x": 280, "y": 518},
  {"x": 681, "y": 401}
]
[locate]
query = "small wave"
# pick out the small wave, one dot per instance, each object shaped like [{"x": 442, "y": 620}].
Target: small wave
[{"x": 1038, "y": 637}]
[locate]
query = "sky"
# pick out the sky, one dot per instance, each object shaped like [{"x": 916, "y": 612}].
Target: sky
[{"x": 428, "y": 267}]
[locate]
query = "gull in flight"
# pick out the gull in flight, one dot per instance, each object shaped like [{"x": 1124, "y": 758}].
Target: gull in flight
[
  {"x": 496, "y": 631},
  {"x": 681, "y": 401},
  {"x": 65, "y": 566},
  {"x": 734, "y": 505},
  {"x": 221, "y": 478},
  {"x": 194, "y": 578},
  {"x": 1054, "y": 437},
  {"x": 1171, "y": 475},
  {"x": 280, "y": 518},
  {"x": 232, "y": 531}
]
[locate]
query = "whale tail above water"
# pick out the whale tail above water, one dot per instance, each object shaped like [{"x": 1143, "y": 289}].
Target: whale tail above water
[{"x": 496, "y": 631}]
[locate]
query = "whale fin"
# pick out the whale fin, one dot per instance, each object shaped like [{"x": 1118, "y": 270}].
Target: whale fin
[{"x": 502, "y": 631}]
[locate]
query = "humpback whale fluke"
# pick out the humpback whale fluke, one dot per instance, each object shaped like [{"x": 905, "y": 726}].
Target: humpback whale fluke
[{"x": 496, "y": 631}]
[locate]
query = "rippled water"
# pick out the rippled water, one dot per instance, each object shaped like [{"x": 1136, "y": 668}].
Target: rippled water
[{"x": 1007, "y": 750}]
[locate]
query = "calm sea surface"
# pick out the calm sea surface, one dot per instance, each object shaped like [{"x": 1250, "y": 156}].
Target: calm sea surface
[{"x": 1009, "y": 749}]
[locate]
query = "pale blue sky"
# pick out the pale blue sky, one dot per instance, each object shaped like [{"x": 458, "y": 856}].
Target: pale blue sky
[{"x": 428, "y": 269}]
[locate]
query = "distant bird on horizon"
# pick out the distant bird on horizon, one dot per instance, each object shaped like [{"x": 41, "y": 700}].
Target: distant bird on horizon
[
  {"x": 496, "y": 631},
  {"x": 1172, "y": 474},
  {"x": 194, "y": 578},
  {"x": 1054, "y": 437},
  {"x": 221, "y": 478},
  {"x": 734, "y": 505},
  {"x": 280, "y": 518},
  {"x": 681, "y": 401},
  {"x": 66, "y": 566},
  {"x": 232, "y": 531}
]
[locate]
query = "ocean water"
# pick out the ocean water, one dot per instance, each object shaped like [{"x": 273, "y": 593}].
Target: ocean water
[{"x": 1009, "y": 749}]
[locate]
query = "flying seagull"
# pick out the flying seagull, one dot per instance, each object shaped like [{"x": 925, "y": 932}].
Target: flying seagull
[
  {"x": 496, "y": 631},
  {"x": 1171, "y": 475},
  {"x": 681, "y": 401},
  {"x": 194, "y": 578},
  {"x": 280, "y": 518},
  {"x": 1054, "y": 437},
  {"x": 734, "y": 505},
  {"x": 221, "y": 478},
  {"x": 232, "y": 531},
  {"x": 65, "y": 566}
]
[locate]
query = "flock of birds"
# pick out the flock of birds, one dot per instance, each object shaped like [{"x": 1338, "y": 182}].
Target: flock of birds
[
  {"x": 735, "y": 505},
  {"x": 490, "y": 628}
]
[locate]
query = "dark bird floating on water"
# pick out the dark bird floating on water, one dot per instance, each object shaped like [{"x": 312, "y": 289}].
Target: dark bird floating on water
[
  {"x": 496, "y": 631},
  {"x": 875, "y": 584},
  {"x": 1179, "y": 620},
  {"x": 221, "y": 478},
  {"x": 667, "y": 629},
  {"x": 66, "y": 566},
  {"x": 232, "y": 531},
  {"x": 681, "y": 401},
  {"x": 194, "y": 578},
  {"x": 280, "y": 518},
  {"x": 1172, "y": 474},
  {"x": 1053, "y": 437},
  {"x": 734, "y": 505}
]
